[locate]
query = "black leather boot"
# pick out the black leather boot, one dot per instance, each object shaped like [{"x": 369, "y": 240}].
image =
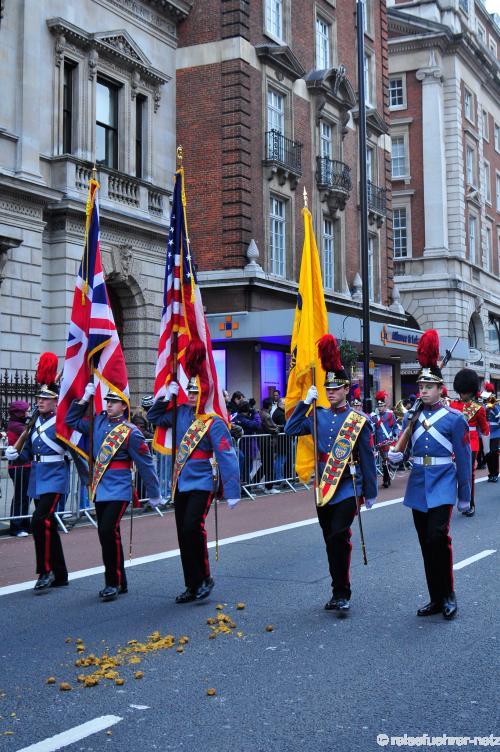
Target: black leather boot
[
  {"x": 186, "y": 597},
  {"x": 431, "y": 608},
  {"x": 450, "y": 607},
  {"x": 205, "y": 589},
  {"x": 43, "y": 583},
  {"x": 109, "y": 593}
]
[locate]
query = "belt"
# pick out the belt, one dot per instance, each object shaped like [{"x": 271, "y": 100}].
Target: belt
[
  {"x": 119, "y": 465},
  {"x": 48, "y": 458},
  {"x": 426, "y": 460},
  {"x": 199, "y": 454},
  {"x": 472, "y": 428}
]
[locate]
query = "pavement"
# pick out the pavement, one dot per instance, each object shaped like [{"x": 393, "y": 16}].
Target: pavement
[{"x": 314, "y": 681}]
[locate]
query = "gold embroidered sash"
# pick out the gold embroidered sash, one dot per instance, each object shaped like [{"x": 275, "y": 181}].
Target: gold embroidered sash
[
  {"x": 188, "y": 444},
  {"x": 470, "y": 409},
  {"x": 109, "y": 447},
  {"x": 339, "y": 456}
]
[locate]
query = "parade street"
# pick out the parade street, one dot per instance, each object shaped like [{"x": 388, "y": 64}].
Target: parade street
[{"x": 289, "y": 675}]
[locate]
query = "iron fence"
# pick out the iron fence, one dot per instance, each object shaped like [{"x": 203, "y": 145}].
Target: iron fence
[{"x": 15, "y": 385}]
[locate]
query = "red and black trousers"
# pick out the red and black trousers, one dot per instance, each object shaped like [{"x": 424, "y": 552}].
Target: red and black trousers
[
  {"x": 48, "y": 546},
  {"x": 109, "y": 515},
  {"x": 433, "y": 530},
  {"x": 335, "y": 521},
  {"x": 191, "y": 509}
]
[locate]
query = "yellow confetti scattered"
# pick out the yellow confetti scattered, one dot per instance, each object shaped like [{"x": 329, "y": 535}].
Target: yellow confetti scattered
[
  {"x": 8, "y": 733},
  {"x": 211, "y": 691},
  {"x": 219, "y": 607},
  {"x": 109, "y": 733},
  {"x": 134, "y": 659},
  {"x": 183, "y": 640},
  {"x": 65, "y": 687},
  {"x": 239, "y": 634},
  {"x": 68, "y": 639},
  {"x": 212, "y": 635},
  {"x": 79, "y": 641},
  {"x": 269, "y": 628},
  {"x": 139, "y": 674},
  {"x": 179, "y": 650},
  {"x": 240, "y": 606},
  {"x": 120, "y": 682},
  {"x": 51, "y": 680},
  {"x": 12, "y": 715}
]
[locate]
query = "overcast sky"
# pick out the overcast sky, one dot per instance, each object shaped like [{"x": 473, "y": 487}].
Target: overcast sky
[{"x": 493, "y": 6}]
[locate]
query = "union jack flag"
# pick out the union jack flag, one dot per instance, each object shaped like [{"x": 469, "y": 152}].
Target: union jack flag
[
  {"x": 183, "y": 313},
  {"x": 93, "y": 344}
]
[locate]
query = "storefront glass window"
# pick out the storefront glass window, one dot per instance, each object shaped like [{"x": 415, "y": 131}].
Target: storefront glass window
[
  {"x": 220, "y": 367},
  {"x": 381, "y": 377},
  {"x": 272, "y": 372}
]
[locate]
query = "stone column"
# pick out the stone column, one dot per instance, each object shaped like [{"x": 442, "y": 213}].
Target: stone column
[
  {"x": 434, "y": 160},
  {"x": 28, "y": 92}
]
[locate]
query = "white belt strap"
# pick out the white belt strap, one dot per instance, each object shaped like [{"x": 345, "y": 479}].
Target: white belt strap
[
  {"x": 41, "y": 431},
  {"x": 48, "y": 458},
  {"x": 472, "y": 428},
  {"x": 426, "y": 460}
]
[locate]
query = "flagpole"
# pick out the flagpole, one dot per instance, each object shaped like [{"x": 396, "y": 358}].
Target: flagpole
[
  {"x": 92, "y": 378},
  {"x": 314, "y": 414}
]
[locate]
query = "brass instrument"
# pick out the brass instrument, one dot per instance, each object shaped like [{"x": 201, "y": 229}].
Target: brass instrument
[
  {"x": 400, "y": 410},
  {"x": 492, "y": 401}
]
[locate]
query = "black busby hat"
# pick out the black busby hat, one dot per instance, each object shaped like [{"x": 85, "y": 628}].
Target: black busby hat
[
  {"x": 428, "y": 356},
  {"x": 466, "y": 381},
  {"x": 329, "y": 355}
]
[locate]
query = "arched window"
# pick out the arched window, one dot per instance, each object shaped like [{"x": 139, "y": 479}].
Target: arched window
[
  {"x": 116, "y": 307},
  {"x": 472, "y": 334},
  {"x": 494, "y": 334}
]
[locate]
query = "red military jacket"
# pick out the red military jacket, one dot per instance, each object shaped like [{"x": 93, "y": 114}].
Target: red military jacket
[{"x": 475, "y": 415}]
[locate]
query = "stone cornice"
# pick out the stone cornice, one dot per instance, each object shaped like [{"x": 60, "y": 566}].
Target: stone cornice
[
  {"x": 281, "y": 56},
  {"x": 179, "y": 9}
]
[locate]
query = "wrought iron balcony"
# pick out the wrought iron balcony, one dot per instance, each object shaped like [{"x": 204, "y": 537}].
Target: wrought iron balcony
[
  {"x": 333, "y": 179},
  {"x": 377, "y": 203},
  {"x": 284, "y": 157}
]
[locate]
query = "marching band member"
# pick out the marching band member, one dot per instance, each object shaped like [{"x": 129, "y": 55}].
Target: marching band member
[
  {"x": 356, "y": 398},
  {"x": 386, "y": 432},
  {"x": 490, "y": 404},
  {"x": 116, "y": 444},
  {"x": 438, "y": 437},
  {"x": 444, "y": 396},
  {"x": 466, "y": 384},
  {"x": 344, "y": 439},
  {"x": 203, "y": 443}
]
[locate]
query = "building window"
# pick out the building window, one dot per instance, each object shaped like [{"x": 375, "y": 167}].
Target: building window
[
  {"x": 489, "y": 248},
  {"x": 497, "y": 137},
  {"x": 277, "y": 236},
  {"x": 274, "y": 18},
  {"x": 322, "y": 44},
  {"x": 369, "y": 94},
  {"x": 472, "y": 239},
  {"x": 470, "y": 172},
  {"x": 398, "y": 158},
  {"x": 371, "y": 267},
  {"x": 497, "y": 181},
  {"x": 468, "y": 105},
  {"x": 487, "y": 182},
  {"x": 473, "y": 340},
  {"x": 493, "y": 47},
  {"x": 140, "y": 109},
  {"x": 481, "y": 33},
  {"x": 326, "y": 140},
  {"x": 400, "y": 232},
  {"x": 397, "y": 93},
  {"x": 106, "y": 124},
  {"x": 494, "y": 334},
  {"x": 370, "y": 164},
  {"x": 367, "y": 17},
  {"x": 275, "y": 111},
  {"x": 486, "y": 126},
  {"x": 68, "y": 88},
  {"x": 464, "y": 6},
  {"x": 328, "y": 243}
]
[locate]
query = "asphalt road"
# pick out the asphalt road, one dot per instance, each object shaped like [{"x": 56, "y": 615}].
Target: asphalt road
[{"x": 316, "y": 682}]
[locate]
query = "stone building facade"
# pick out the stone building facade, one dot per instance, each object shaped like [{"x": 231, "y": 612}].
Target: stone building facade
[
  {"x": 84, "y": 83},
  {"x": 444, "y": 100},
  {"x": 267, "y": 106}
]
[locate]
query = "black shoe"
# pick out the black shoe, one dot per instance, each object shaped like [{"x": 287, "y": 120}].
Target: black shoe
[
  {"x": 431, "y": 608},
  {"x": 186, "y": 597},
  {"x": 331, "y": 605},
  {"x": 43, "y": 583},
  {"x": 122, "y": 589},
  {"x": 386, "y": 485},
  {"x": 59, "y": 583},
  {"x": 450, "y": 607},
  {"x": 109, "y": 593},
  {"x": 205, "y": 589},
  {"x": 470, "y": 512},
  {"x": 493, "y": 479},
  {"x": 343, "y": 604}
]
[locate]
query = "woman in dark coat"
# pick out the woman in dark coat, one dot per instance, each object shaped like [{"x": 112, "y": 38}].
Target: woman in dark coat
[{"x": 19, "y": 471}]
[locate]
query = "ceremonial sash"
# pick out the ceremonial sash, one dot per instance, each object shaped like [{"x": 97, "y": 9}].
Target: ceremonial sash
[
  {"x": 109, "y": 447},
  {"x": 40, "y": 430},
  {"x": 188, "y": 444},
  {"x": 339, "y": 455},
  {"x": 470, "y": 409}
]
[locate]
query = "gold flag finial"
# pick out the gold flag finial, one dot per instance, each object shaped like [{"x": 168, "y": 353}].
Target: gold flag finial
[
  {"x": 305, "y": 198},
  {"x": 180, "y": 155}
]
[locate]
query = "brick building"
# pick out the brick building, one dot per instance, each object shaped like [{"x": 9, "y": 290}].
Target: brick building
[
  {"x": 267, "y": 105},
  {"x": 444, "y": 100}
]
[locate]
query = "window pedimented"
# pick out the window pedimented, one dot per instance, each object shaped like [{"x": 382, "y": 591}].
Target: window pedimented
[
  {"x": 332, "y": 87},
  {"x": 117, "y": 46},
  {"x": 281, "y": 57}
]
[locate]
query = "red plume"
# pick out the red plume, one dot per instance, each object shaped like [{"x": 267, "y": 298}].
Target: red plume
[
  {"x": 488, "y": 387},
  {"x": 46, "y": 370},
  {"x": 329, "y": 353},
  {"x": 428, "y": 349},
  {"x": 444, "y": 391},
  {"x": 356, "y": 393},
  {"x": 381, "y": 396},
  {"x": 195, "y": 357}
]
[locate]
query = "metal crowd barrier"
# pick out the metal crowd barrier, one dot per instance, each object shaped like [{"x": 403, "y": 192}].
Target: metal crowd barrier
[{"x": 267, "y": 462}]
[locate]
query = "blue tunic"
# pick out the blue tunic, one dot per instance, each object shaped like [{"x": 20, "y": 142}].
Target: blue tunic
[
  {"x": 116, "y": 484},
  {"x": 329, "y": 424},
  {"x": 385, "y": 426},
  {"x": 196, "y": 475},
  {"x": 493, "y": 415},
  {"x": 49, "y": 475},
  {"x": 432, "y": 486}
]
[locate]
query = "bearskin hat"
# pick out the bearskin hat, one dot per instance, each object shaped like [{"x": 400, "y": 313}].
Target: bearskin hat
[{"x": 466, "y": 381}]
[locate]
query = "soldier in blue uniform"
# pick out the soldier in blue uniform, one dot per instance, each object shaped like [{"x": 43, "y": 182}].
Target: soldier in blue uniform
[
  {"x": 386, "y": 430},
  {"x": 336, "y": 516},
  {"x": 116, "y": 444},
  {"x": 441, "y": 472},
  {"x": 48, "y": 483},
  {"x": 194, "y": 481},
  {"x": 493, "y": 415}
]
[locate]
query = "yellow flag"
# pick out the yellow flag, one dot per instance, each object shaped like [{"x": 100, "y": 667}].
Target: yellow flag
[{"x": 310, "y": 324}]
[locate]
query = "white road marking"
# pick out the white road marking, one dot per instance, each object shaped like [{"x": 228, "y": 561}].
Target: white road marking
[
  {"x": 17, "y": 588},
  {"x": 73, "y": 735},
  {"x": 476, "y": 557},
  {"x": 139, "y": 707}
]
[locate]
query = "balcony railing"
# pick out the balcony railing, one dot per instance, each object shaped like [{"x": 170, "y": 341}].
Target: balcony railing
[
  {"x": 377, "y": 198},
  {"x": 284, "y": 152},
  {"x": 334, "y": 174}
]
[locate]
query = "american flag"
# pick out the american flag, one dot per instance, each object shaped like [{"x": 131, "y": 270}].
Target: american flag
[
  {"x": 93, "y": 342},
  {"x": 183, "y": 312}
]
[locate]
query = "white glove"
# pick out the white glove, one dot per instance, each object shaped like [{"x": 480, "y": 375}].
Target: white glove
[
  {"x": 156, "y": 502},
  {"x": 369, "y": 503},
  {"x": 11, "y": 453},
  {"x": 231, "y": 503},
  {"x": 463, "y": 506},
  {"x": 89, "y": 392},
  {"x": 172, "y": 388},
  {"x": 394, "y": 457},
  {"x": 312, "y": 394}
]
